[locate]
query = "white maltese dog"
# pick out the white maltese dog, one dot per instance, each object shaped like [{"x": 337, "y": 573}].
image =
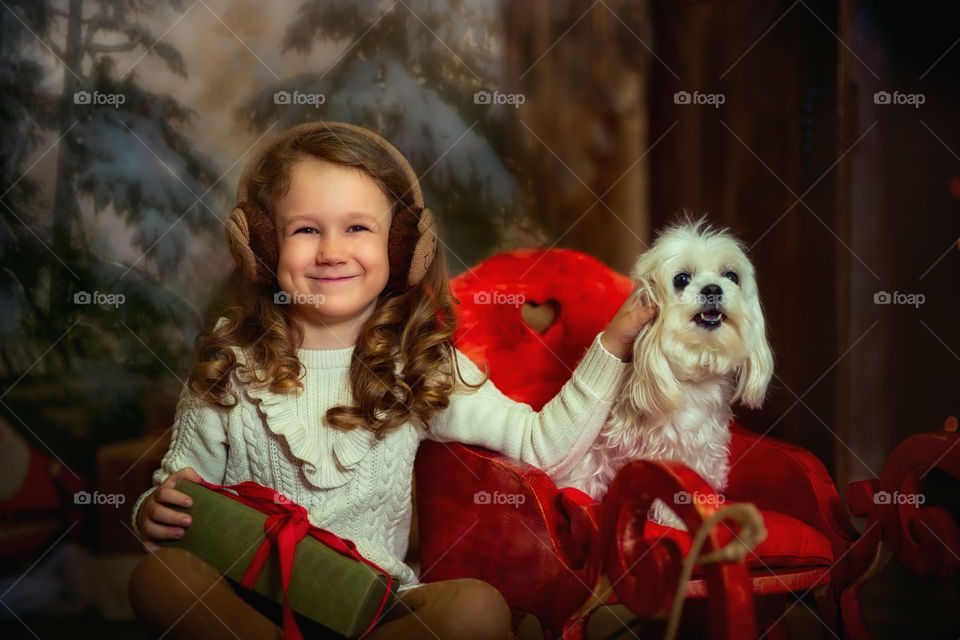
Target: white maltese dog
[{"x": 706, "y": 349}]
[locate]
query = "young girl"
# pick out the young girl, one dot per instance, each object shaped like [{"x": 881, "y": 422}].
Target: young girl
[{"x": 334, "y": 363}]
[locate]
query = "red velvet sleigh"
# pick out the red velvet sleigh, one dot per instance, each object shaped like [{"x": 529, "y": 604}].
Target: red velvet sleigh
[{"x": 552, "y": 551}]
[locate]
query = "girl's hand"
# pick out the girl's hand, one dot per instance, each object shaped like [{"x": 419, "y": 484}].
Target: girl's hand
[
  {"x": 620, "y": 334},
  {"x": 157, "y": 520}
]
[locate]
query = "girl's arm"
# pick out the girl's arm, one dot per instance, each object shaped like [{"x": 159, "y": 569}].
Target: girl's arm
[
  {"x": 199, "y": 441},
  {"x": 556, "y": 437}
]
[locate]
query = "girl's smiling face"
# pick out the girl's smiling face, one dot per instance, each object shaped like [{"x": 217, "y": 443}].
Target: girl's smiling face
[{"x": 332, "y": 228}]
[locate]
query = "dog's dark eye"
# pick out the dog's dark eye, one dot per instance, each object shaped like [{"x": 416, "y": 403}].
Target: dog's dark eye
[
  {"x": 681, "y": 280},
  {"x": 732, "y": 277}
]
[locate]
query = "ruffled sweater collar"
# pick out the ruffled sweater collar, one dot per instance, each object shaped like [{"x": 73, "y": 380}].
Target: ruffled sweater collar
[{"x": 327, "y": 462}]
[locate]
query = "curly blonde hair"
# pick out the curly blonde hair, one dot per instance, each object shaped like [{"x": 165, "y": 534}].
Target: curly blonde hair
[{"x": 412, "y": 326}]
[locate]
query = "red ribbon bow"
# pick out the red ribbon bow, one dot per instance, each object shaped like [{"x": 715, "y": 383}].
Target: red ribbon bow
[{"x": 286, "y": 525}]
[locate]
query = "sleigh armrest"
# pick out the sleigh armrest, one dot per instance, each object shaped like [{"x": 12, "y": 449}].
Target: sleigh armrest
[
  {"x": 482, "y": 515},
  {"x": 783, "y": 477}
]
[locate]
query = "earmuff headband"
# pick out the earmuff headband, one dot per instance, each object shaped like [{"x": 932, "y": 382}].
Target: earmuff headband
[{"x": 247, "y": 224}]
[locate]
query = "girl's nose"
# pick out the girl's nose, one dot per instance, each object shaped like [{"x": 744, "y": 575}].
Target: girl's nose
[{"x": 332, "y": 250}]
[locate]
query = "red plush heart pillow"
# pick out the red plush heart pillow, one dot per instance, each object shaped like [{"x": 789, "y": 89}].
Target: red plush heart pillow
[{"x": 530, "y": 315}]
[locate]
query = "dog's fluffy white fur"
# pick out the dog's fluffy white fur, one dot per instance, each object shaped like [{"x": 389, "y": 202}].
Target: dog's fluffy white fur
[{"x": 706, "y": 349}]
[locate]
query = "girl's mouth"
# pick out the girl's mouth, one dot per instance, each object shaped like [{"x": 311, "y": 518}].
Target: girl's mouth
[{"x": 342, "y": 279}]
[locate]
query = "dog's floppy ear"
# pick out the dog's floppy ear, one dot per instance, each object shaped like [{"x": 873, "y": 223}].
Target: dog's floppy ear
[
  {"x": 651, "y": 386},
  {"x": 754, "y": 376}
]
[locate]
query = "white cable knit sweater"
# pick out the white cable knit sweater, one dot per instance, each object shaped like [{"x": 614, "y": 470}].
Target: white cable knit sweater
[{"x": 350, "y": 483}]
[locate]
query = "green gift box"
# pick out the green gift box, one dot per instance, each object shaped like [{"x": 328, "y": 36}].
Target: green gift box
[{"x": 330, "y": 588}]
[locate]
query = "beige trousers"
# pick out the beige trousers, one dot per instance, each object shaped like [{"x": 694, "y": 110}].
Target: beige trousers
[{"x": 180, "y": 596}]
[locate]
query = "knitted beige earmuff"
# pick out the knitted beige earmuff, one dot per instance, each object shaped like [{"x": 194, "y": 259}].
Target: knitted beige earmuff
[{"x": 413, "y": 235}]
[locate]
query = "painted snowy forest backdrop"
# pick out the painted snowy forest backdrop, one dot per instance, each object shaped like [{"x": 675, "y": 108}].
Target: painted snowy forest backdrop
[{"x": 125, "y": 126}]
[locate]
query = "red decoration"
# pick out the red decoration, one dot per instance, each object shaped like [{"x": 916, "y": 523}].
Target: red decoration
[
  {"x": 924, "y": 536},
  {"x": 47, "y": 500},
  {"x": 581, "y": 293}
]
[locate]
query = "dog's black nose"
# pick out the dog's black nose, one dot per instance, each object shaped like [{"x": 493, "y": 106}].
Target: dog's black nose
[{"x": 712, "y": 294}]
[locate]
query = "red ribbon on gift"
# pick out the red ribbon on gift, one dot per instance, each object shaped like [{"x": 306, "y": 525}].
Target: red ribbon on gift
[{"x": 287, "y": 524}]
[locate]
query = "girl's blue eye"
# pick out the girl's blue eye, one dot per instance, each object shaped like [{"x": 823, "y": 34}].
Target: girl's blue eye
[{"x": 353, "y": 227}]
